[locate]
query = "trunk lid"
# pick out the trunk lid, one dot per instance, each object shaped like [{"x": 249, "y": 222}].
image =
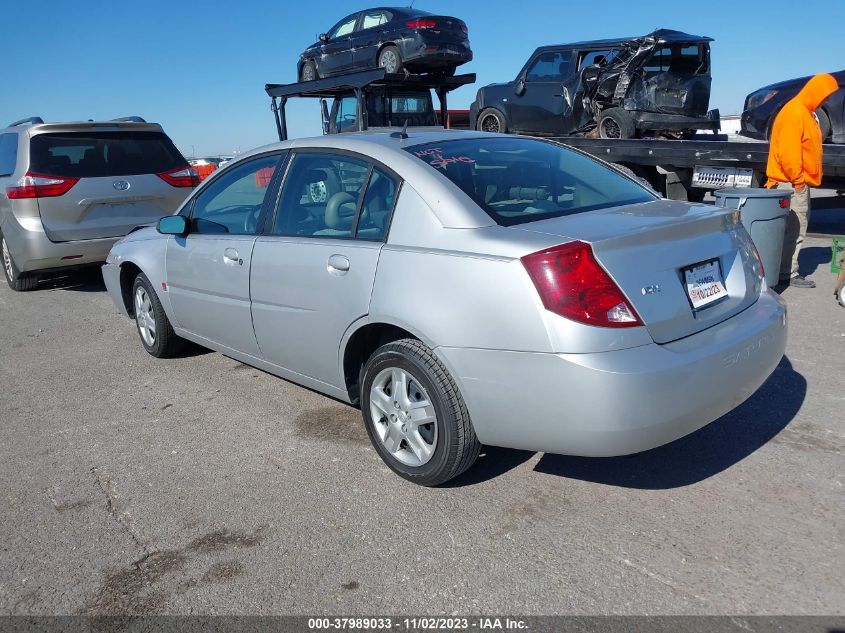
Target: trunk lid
[
  {"x": 447, "y": 29},
  {"x": 645, "y": 249},
  {"x": 94, "y": 208},
  {"x": 116, "y": 167}
]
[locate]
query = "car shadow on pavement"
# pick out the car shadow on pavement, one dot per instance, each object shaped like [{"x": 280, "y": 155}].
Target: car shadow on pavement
[
  {"x": 83, "y": 280},
  {"x": 492, "y": 462},
  {"x": 702, "y": 454}
]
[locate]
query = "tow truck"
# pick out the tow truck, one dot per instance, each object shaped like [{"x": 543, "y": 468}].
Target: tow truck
[{"x": 678, "y": 169}]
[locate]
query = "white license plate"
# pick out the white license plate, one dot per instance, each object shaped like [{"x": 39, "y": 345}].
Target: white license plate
[{"x": 704, "y": 283}]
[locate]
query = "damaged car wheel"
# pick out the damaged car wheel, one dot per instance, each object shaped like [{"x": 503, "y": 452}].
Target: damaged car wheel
[{"x": 616, "y": 123}]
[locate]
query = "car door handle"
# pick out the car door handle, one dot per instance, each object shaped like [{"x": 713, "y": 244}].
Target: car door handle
[
  {"x": 230, "y": 256},
  {"x": 338, "y": 264}
]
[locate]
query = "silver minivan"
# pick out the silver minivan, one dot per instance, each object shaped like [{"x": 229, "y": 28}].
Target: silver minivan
[{"x": 68, "y": 191}]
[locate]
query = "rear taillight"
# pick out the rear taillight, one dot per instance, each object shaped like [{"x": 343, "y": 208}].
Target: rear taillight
[
  {"x": 573, "y": 284},
  {"x": 421, "y": 24},
  {"x": 464, "y": 28},
  {"x": 181, "y": 177},
  {"x": 33, "y": 185}
]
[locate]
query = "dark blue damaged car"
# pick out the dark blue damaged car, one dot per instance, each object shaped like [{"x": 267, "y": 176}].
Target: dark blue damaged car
[{"x": 392, "y": 38}]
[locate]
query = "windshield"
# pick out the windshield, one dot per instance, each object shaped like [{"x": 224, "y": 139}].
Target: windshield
[{"x": 518, "y": 180}]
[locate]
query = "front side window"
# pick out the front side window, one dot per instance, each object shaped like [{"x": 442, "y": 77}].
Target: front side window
[
  {"x": 552, "y": 66},
  {"x": 346, "y": 115},
  {"x": 8, "y": 154},
  {"x": 343, "y": 28},
  {"x": 321, "y": 195},
  {"x": 232, "y": 202},
  {"x": 103, "y": 154},
  {"x": 596, "y": 57},
  {"x": 518, "y": 180},
  {"x": 373, "y": 19}
]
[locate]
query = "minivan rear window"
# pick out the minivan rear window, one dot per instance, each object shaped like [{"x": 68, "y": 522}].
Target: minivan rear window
[
  {"x": 103, "y": 154},
  {"x": 518, "y": 180}
]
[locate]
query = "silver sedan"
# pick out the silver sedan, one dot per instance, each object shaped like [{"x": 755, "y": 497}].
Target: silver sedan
[{"x": 462, "y": 289}]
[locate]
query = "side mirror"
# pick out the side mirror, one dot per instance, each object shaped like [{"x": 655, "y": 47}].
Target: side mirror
[
  {"x": 173, "y": 225},
  {"x": 324, "y": 111},
  {"x": 520, "y": 87},
  {"x": 324, "y": 37}
]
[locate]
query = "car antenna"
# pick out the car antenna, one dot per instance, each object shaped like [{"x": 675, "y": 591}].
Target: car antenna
[{"x": 403, "y": 134}]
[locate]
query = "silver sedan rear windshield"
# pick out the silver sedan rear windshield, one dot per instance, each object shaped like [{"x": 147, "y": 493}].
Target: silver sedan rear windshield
[{"x": 518, "y": 180}]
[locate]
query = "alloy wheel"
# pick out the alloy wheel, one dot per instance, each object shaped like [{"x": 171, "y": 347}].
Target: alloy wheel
[
  {"x": 145, "y": 317},
  {"x": 403, "y": 416},
  {"x": 490, "y": 123},
  {"x": 610, "y": 128},
  {"x": 389, "y": 61}
]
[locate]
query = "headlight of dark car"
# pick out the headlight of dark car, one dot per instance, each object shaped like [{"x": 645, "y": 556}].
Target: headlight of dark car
[{"x": 756, "y": 99}]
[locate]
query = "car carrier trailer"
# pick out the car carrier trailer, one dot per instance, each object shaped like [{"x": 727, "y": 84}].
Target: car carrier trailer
[{"x": 687, "y": 169}]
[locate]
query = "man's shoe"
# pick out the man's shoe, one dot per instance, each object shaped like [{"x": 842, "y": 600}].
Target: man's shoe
[{"x": 801, "y": 282}]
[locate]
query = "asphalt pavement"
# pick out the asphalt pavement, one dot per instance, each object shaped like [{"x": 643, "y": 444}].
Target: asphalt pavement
[{"x": 202, "y": 486}]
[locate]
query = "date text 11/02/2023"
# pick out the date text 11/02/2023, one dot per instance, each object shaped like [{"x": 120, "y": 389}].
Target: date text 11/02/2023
[{"x": 418, "y": 623}]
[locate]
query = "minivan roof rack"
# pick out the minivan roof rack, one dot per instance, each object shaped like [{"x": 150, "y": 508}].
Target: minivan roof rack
[
  {"x": 133, "y": 119},
  {"x": 33, "y": 120},
  {"x": 358, "y": 83}
]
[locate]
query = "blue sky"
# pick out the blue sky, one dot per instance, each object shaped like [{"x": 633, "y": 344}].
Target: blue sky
[{"x": 199, "y": 67}]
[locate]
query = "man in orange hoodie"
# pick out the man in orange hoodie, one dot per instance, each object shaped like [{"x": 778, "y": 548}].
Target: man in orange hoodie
[{"x": 795, "y": 163}]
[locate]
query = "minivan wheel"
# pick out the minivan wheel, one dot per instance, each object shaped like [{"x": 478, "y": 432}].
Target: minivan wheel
[
  {"x": 415, "y": 415},
  {"x": 824, "y": 124},
  {"x": 491, "y": 120},
  {"x": 21, "y": 282},
  {"x": 616, "y": 123},
  {"x": 390, "y": 59},
  {"x": 154, "y": 328},
  {"x": 309, "y": 72}
]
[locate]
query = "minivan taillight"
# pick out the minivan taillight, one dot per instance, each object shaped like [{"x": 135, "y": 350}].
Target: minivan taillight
[
  {"x": 181, "y": 177},
  {"x": 33, "y": 185},
  {"x": 421, "y": 24},
  {"x": 573, "y": 284}
]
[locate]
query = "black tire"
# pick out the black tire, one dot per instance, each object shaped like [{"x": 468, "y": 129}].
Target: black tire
[
  {"x": 632, "y": 174},
  {"x": 309, "y": 72},
  {"x": 824, "y": 124},
  {"x": 491, "y": 120},
  {"x": 390, "y": 55},
  {"x": 165, "y": 342},
  {"x": 18, "y": 281},
  {"x": 456, "y": 447},
  {"x": 616, "y": 123}
]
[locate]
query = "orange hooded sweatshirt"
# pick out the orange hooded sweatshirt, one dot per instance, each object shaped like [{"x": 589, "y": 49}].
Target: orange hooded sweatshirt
[{"x": 795, "y": 153}]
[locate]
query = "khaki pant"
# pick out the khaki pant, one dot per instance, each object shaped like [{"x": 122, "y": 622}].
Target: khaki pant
[{"x": 796, "y": 229}]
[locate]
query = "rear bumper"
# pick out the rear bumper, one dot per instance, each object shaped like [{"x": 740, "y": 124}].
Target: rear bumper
[
  {"x": 33, "y": 251},
  {"x": 660, "y": 121},
  {"x": 417, "y": 51},
  {"x": 621, "y": 402}
]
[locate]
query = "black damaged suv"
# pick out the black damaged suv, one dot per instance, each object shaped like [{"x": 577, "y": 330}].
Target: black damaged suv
[{"x": 658, "y": 84}]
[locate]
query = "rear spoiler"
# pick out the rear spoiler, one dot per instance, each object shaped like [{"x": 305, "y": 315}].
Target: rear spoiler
[{"x": 77, "y": 126}]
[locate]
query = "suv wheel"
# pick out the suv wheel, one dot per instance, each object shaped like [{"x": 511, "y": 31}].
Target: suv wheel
[
  {"x": 616, "y": 123},
  {"x": 154, "y": 328},
  {"x": 491, "y": 120},
  {"x": 17, "y": 280},
  {"x": 309, "y": 72},
  {"x": 415, "y": 415}
]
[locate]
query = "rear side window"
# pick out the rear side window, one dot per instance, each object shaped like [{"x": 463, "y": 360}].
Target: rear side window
[
  {"x": 518, "y": 180},
  {"x": 691, "y": 59},
  {"x": 103, "y": 154},
  {"x": 8, "y": 153}
]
